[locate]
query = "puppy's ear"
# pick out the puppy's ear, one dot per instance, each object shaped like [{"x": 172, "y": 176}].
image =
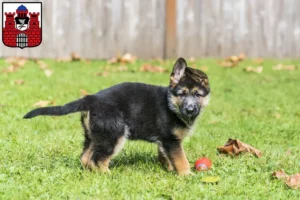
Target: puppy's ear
[{"x": 178, "y": 71}]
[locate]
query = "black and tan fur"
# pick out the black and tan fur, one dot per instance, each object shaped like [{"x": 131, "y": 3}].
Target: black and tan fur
[{"x": 163, "y": 115}]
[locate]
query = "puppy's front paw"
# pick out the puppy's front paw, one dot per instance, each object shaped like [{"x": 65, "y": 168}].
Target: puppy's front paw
[{"x": 185, "y": 172}]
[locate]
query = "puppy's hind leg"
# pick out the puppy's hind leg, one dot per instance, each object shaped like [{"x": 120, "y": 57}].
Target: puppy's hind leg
[
  {"x": 103, "y": 150},
  {"x": 108, "y": 131},
  {"x": 87, "y": 144}
]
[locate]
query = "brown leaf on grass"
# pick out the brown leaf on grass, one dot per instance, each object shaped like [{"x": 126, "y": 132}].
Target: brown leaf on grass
[
  {"x": 126, "y": 58},
  {"x": 293, "y": 181},
  {"x": 10, "y": 60},
  {"x": 280, "y": 174},
  {"x": 122, "y": 68},
  {"x": 151, "y": 68},
  {"x": 104, "y": 74},
  {"x": 75, "y": 57},
  {"x": 284, "y": 67},
  {"x": 44, "y": 103},
  {"x": 258, "y": 61},
  {"x": 242, "y": 56},
  {"x": 232, "y": 61},
  {"x": 204, "y": 68},
  {"x": 19, "y": 82},
  {"x": 257, "y": 70},
  {"x": 227, "y": 64},
  {"x": 10, "y": 69},
  {"x": 48, "y": 72},
  {"x": 15, "y": 64},
  {"x": 276, "y": 115},
  {"x": 42, "y": 64},
  {"x": 16, "y": 61},
  {"x": 192, "y": 59},
  {"x": 235, "y": 147},
  {"x": 83, "y": 92},
  {"x": 214, "y": 122},
  {"x": 64, "y": 59}
]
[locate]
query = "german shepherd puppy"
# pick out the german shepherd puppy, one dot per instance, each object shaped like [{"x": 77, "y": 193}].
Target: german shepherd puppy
[{"x": 137, "y": 111}]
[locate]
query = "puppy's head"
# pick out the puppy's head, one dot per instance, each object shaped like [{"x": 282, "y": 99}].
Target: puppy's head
[{"x": 188, "y": 91}]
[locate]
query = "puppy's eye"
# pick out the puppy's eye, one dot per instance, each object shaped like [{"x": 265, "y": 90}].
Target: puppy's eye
[
  {"x": 181, "y": 94},
  {"x": 197, "y": 95}
]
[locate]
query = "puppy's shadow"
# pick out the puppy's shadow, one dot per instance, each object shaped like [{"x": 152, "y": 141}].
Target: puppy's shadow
[{"x": 135, "y": 159}]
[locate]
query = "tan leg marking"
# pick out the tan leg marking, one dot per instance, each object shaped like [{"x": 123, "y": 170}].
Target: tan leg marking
[
  {"x": 180, "y": 161},
  {"x": 101, "y": 166},
  {"x": 119, "y": 146},
  {"x": 89, "y": 164},
  {"x": 86, "y": 157}
]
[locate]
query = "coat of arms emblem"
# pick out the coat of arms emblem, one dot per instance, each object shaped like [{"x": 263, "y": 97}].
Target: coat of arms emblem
[{"x": 22, "y": 24}]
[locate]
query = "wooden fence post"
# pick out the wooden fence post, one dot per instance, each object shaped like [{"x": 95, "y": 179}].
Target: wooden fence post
[{"x": 170, "y": 41}]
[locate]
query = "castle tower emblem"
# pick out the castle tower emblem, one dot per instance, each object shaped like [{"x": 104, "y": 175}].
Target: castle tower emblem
[{"x": 22, "y": 24}]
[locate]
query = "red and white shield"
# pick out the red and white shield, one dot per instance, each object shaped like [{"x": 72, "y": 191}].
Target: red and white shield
[{"x": 22, "y": 24}]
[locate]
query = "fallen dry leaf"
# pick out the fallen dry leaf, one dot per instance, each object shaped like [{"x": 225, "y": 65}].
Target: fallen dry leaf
[
  {"x": 258, "y": 61},
  {"x": 232, "y": 61},
  {"x": 192, "y": 59},
  {"x": 104, "y": 73},
  {"x": 19, "y": 82},
  {"x": 214, "y": 122},
  {"x": 276, "y": 115},
  {"x": 126, "y": 58},
  {"x": 16, "y": 61},
  {"x": 242, "y": 56},
  {"x": 227, "y": 64},
  {"x": 151, "y": 68},
  {"x": 235, "y": 147},
  {"x": 42, "y": 64},
  {"x": 75, "y": 57},
  {"x": 204, "y": 68},
  {"x": 257, "y": 70},
  {"x": 10, "y": 60},
  {"x": 10, "y": 69},
  {"x": 44, "y": 103},
  {"x": 122, "y": 68},
  {"x": 64, "y": 59},
  {"x": 280, "y": 174},
  {"x": 293, "y": 181},
  {"x": 83, "y": 92},
  {"x": 48, "y": 72},
  {"x": 284, "y": 67},
  {"x": 15, "y": 64}
]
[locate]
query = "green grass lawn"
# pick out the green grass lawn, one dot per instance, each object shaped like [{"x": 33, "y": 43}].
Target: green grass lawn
[{"x": 39, "y": 158}]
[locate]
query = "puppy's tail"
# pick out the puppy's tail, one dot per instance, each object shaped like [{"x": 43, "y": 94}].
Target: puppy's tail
[{"x": 75, "y": 106}]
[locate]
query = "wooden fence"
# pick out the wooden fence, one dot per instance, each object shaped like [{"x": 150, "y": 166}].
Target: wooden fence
[{"x": 167, "y": 28}]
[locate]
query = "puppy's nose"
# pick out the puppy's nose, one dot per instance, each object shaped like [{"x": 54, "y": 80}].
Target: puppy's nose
[{"x": 190, "y": 109}]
